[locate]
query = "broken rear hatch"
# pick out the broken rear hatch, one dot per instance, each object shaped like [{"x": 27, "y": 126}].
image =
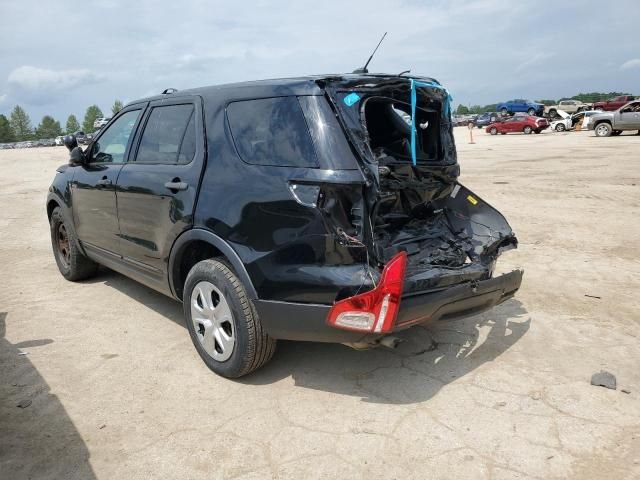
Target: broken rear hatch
[{"x": 413, "y": 200}]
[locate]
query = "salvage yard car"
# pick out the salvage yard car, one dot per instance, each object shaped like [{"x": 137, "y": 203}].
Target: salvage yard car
[
  {"x": 518, "y": 124},
  {"x": 520, "y": 105},
  {"x": 322, "y": 208},
  {"x": 605, "y": 124},
  {"x": 613, "y": 103},
  {"x": 568, "y": 106}
]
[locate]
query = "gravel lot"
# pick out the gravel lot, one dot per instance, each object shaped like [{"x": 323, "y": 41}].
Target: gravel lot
[{"x": 118, "y": 391}]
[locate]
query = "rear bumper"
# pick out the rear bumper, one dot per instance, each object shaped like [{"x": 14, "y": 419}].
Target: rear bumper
[{"x": 306, "y": 322}]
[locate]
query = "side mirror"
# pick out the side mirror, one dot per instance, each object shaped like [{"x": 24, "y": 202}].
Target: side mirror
[
  {"x": 70, "y": 142},
  {"x": 77, "y": 156}
]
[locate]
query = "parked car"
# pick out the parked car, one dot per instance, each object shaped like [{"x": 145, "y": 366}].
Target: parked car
[
  {"x": 485, "y": 119},
  {"x": 520, "y": 105},
  {"x": 101, "y": 122},
  {"x": 300, "y": 213},
  {"x": 568, "y": 106},
  {"x": 605, "y": 124},
  {"x": 520, "y": 123},
  {"x": 564, "y": 123},
  {"x": 613, "y": 103}
]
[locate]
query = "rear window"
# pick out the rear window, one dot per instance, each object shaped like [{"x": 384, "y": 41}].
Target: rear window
[
  {"x": 271, "y": 131},
  {"x": 169, "y": 136}
]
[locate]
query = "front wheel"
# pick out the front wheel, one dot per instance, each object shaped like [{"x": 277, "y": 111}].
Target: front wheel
[
  {"x": 603, "y": 130},
  {"x": 560, "y": 127},
  {"x": 72, "y": 263},
  {"x": 493, "y": 131},
  {"x": 527, "y": 130},
  {"x": 504, "y": 112},
  {"x": 222, "y": 321},
  {"x": 531, "y": 111}
]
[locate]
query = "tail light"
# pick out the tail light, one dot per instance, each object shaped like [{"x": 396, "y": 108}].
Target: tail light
[{"x": 376, "y": 310}]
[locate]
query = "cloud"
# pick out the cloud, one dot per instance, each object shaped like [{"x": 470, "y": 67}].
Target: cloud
[
  {"x": 629, "y": 64},
  {"x": 37, "y": 84},
  {"x": 3, "y": 98},
  {"x": 537, "y": 59}
]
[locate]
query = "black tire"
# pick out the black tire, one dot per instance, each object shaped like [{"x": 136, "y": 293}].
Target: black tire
[
  {"x": 603, "y": 129},
  {"x": 527, "y": 130},
  {"x": 560, "y": 127},
  {"x": 493, "y": 131},
  {"x": 253, "y": 347},
  {"x": 553, "y": 112},
  {"x": 531, "y": 111},
  {"x": 72, "y": 263}
]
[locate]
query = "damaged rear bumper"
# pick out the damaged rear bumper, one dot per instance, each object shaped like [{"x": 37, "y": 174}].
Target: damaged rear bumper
[{"x": 308, "y": 322}]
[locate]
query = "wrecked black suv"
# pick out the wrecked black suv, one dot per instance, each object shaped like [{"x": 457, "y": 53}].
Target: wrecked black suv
[{"x": 319, "y": 208}]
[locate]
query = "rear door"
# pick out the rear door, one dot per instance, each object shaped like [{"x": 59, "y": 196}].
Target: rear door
[{"x": 157, "y": 189}]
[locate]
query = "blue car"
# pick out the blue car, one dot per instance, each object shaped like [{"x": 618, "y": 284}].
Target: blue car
[
  {"x": 485, "y": 119},
  {"x": 520, "y": 105}
]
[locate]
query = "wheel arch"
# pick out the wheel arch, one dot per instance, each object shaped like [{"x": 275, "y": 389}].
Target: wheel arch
[{"x": 203, "y": 244}]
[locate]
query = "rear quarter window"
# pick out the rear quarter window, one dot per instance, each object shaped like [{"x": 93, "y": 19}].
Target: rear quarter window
[{"x": 271, "y": 131}]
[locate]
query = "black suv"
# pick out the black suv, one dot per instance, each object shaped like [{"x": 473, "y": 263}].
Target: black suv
[{"x": 299, "y": 209}]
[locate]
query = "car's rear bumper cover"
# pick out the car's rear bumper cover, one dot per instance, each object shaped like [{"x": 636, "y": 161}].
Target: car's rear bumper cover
[{"x": 297, "y": 321}]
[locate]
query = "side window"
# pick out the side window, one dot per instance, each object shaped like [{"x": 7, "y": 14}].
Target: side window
[
  {"x": 169, "y": 136},
  {"x": 271, "y": 131},
  {"x": 113, "y": 143}
]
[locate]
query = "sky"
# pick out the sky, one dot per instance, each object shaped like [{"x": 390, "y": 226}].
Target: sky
[{"x": 61, "y": 56}]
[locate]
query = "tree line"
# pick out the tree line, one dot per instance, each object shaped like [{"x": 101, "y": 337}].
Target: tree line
[
  {"x": 583, "y": 97},
  {"x": 18, "y": 127}
]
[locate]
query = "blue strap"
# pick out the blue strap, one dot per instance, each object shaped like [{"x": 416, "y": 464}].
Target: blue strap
[{"x": 445, "y": 113}]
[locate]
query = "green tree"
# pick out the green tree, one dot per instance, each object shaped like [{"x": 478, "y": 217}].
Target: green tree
[
  {"x": 462, "y": 110},
  {"x": 48, "y": 128},
  {"x": 6, "y": 132},
  {"x": 92, "y": 113},
  {"x": 117, "y": 106},
  {"x": 20, "y": 124},
  {"x": 72, "y": 125}
]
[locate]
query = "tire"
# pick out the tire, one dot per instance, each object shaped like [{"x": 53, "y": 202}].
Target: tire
[
  {"x": 72, "y": 263},
  {"x": 527, "y": 130},
  {"x": 531, "y": 111},
  {"x": 615, "y": 133},
  {"x": 603, "y": 130},
  {"x": 553, "y": 112},
  {"x": 504, "y": 112},
  {"x": 479, "y": 126},
  {"x": 493, "y": 131},
  {"x": 560, "y": 127},
  {"x": 537, "y": 132},
  {"x": 235, "y": 343}
]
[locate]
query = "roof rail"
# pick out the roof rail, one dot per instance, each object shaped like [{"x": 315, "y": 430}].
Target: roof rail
[{"x": 168, "y": 91}]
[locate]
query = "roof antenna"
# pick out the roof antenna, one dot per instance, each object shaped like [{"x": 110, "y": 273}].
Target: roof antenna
[{"x": 364, "y": 69}]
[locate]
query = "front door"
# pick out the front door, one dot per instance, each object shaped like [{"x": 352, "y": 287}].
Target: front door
[
  {"x": 93, "y": 190},
  {"x": 629, "y": 116},
  {"x": 157, "y": 188}
]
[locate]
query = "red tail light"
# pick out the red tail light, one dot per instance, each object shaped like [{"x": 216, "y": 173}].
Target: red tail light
[{"x": 376, "y": 310}]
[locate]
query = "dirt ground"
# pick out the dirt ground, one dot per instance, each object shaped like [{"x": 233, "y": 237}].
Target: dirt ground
[{"x": 118, "y": 391}]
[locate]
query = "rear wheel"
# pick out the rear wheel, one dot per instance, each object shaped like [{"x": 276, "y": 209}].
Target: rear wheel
[
  {"x": 493, "y": 131},
  {"x": 504, "y": 112},
  {"x": 222, "y": 321},
  {"x": 531, "y": 111},
  {"x": 72, "y": 263},
  {"x": 603, "y": 130},
  {"x": 527, "y": 130},
  {"x": 553, "y": 112}
]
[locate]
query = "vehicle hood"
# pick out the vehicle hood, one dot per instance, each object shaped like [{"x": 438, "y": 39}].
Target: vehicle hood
[
  {"x": 602, "y": 116},
  {"x": 563, "y": 114}
]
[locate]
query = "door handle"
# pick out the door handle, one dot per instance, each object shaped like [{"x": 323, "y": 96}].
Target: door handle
[
  {"x": 104, "y": 182},
  {"x": 176, "y": 185}
]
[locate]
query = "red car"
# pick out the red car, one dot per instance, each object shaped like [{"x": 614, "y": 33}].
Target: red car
[
  {"x": 613, "y": 103},
  {"x": 518, "y": 123}
]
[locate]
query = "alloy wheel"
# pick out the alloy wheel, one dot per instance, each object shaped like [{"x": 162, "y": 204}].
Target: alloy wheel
[{"x": 213, "y": 321}]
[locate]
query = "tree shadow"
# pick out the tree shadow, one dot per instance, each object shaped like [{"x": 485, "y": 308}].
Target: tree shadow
[
  {"x": 428, "y": 358},
  {"x": 37, "y": 438}
]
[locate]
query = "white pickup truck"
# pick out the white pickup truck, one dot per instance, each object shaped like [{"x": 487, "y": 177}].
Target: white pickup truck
[{"x": 569, "y": 106}]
